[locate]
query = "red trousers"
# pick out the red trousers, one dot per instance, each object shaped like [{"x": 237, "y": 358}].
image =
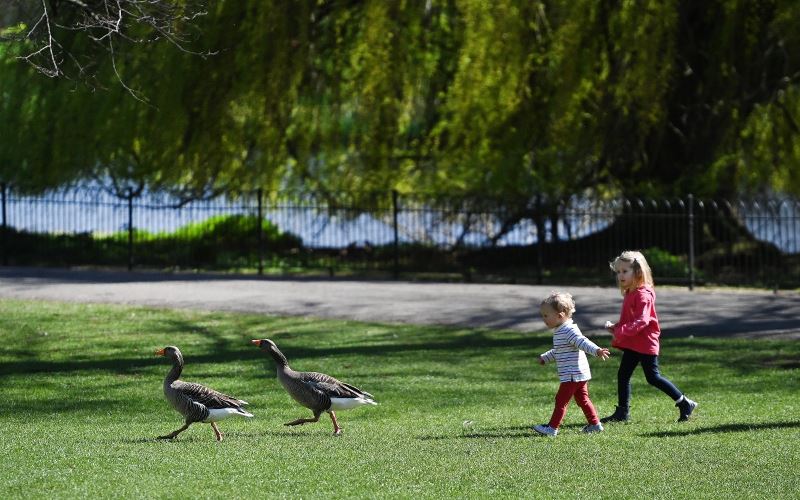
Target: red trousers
[{"x": 568, "y": 390}]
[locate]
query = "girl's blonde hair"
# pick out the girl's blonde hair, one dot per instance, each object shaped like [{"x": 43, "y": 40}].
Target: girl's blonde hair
[
  {"x": 561, "y": 302},
  {"x": 641, "y": 269}
]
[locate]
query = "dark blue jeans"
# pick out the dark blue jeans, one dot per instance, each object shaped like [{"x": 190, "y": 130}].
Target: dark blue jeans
[{"x": 650, "y": 366}]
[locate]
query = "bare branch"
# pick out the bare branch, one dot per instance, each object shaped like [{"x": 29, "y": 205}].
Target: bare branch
[
  {"x": 50, "y": 39},
  {"x": 112, "y": 24}
]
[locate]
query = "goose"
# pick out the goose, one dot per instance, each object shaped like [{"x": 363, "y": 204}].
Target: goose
[
  {"x": 197, "y": 403},
  {"x": 316, "y": 391}
]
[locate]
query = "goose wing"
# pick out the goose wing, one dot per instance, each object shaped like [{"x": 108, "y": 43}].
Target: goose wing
[
  {"x": 206, "y": 396},
  {"x": 332, "y": 387}
]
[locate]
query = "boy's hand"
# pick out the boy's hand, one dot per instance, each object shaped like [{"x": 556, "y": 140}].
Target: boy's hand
[
  {"x": 541, "y": 360},
  {"x": 603, "y": 353},
  {"x": 609, "y": 327}
]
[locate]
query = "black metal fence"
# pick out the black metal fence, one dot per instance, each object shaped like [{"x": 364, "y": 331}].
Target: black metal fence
[{"x": 687, "y": 241}]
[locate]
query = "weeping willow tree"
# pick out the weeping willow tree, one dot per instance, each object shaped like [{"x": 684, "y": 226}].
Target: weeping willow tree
[
  {"x": 525, "y": 103},
  {"x": 765, "y": 152}
]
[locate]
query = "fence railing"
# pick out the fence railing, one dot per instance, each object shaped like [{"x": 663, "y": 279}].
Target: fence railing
[{"x": 687, "y": 241}]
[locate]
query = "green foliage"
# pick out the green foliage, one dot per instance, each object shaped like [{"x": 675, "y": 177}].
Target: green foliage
[
  {"x": 81, "y": 386},
  {"x": 769, "y": 144},
  {"x": 224, "y": 229},
  {"x": 13, "y": 31},
  {"x": 219, "y": 242},
  {"x": 662, "y": 263},
  {"x": 507, "y": 99},
  {"x": 227, "y": 242}
]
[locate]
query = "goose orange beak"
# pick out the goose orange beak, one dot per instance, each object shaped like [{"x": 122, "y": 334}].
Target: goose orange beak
[
  {"x": 160, "y": 352},
  {"x": 255, "y": 342}
]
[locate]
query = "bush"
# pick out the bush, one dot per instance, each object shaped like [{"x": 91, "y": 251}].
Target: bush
[
  {"x": 221, "y": 241},
  {"x": 666, "y": 265}
]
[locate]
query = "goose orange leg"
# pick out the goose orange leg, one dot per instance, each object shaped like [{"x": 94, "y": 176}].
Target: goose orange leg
[
  {"x": 173, "y": 434},
  {"x": 217, "y": 433},
  {"x": 301, "y": 421},
  {"x": 336, "y": 429}
]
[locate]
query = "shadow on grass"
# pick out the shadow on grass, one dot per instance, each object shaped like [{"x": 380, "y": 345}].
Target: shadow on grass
[
  {"x": 121, "y": 365},
  {"x": 56, "y": 407},
  {"x": 231, "y": 436},
  {"x": 724, "y": 428},
  {"x": 180, "y": 439},
  {"x": 142, "y": 440},
  {"x": 289, "y": 434},
  {"x": 515, "y": 432},
  {"x": 473, "y": 344}
]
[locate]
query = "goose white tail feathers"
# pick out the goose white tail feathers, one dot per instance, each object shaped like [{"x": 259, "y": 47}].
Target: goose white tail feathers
[
  {"x": 348, "y": 403},
  {"x": 217, "y": 414}
]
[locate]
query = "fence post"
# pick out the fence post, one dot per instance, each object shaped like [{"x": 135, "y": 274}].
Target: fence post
[
  {"x": 5, "y": 225},
  {"x": 691, "y": 242},
  {"x": 540, "y": 238},
  {"x": 130, "y": 229},
  {"x": 395, "y": 209},
  {"x": 260, "y": 232},
  {"x": 778, "y": 265}
]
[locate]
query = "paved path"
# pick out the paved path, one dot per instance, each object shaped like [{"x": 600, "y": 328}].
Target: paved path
[{"x": 682, "y": 313}]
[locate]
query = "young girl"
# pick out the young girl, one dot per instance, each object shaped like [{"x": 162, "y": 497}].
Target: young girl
[
  {"x": 569, "y": 346},
  {"x": 637, "y": 334}
]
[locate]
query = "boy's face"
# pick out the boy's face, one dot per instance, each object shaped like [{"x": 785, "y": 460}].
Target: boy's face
[
  {"x": 550, "y": 317},
  {"x": 626, "y": 276}
]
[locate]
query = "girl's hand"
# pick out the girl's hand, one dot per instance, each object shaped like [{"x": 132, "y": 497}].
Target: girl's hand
[
  {"x": 603, "y": 353},
  {"x": 541, "y": 360},
  {"x": 609, "y": 327}
]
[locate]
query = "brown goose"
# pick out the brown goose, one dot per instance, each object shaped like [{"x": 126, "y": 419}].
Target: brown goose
[
  {"x": 197, "y": 403},
  {"x": 316, "y": 391}
]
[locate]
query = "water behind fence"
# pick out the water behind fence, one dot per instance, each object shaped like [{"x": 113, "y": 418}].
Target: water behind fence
[{"x": 687, "y": 241}]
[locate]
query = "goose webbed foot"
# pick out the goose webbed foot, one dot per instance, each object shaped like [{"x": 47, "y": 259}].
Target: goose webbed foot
[
  {"x": 301, "y": 421},
  {"x": 174, "y": 434}
]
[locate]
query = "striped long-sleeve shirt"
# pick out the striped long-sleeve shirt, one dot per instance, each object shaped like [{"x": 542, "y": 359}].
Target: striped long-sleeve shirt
[{"x": 569, "y": 346}]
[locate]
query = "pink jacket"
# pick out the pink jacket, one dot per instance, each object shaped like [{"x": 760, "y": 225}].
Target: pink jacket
[{"x": 637, "y": 329}]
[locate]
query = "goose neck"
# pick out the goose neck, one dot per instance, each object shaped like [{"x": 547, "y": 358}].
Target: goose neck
[
  {"x": 175, "y": 371},
  {"x": 280, "y": 359}
]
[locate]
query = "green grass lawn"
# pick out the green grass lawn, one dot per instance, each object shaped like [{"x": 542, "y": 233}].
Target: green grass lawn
[{"x": 82, "y": 403}]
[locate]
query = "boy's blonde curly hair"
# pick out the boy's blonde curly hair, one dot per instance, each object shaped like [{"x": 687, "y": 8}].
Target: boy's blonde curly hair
[{"x": 561, "y": 302}]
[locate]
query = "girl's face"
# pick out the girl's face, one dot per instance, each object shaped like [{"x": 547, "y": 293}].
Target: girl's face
[
  {"x": 550, "y": 317},
  {"x": 626, "y": 276}
]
